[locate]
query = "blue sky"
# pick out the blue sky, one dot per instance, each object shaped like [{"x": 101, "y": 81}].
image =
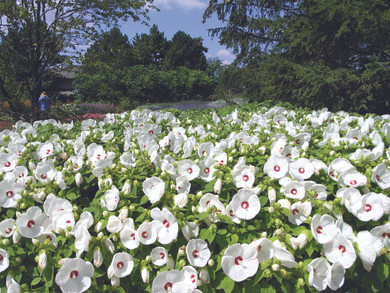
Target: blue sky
[{"x": 182, "y": 15}]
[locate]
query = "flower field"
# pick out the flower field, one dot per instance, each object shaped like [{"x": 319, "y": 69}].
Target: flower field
[{"x": 252, "y": 199}]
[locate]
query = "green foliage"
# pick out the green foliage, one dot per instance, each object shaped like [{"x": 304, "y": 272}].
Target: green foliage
[
  {"x": 141, "y": 84},
  {"x": 186, "y": 51},
  {"x": 37, "y": 33},
  {"x": 316, "y": 53}
]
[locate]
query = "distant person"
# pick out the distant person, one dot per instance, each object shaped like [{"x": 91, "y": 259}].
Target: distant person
[{"x": 44, "y": 102}]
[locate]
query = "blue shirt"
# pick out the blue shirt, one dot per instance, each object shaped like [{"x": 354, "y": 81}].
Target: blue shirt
[{"x": 44, "y": 103}]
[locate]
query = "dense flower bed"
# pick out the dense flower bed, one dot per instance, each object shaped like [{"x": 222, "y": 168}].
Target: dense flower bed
[{"x": 221, "y": 200}]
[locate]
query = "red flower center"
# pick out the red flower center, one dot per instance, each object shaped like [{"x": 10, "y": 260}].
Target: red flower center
[
  {"x": 98, "y": 156},
  {"x": 294, "y": 191},
  {"x": 151, "y": 132},
  {"x": 207, "y": 170},
  {"x": 316, "y": 195},
  {"x": 245, "y": 178},
  {"x": 231, "y": 213},
  {"x": 31, "y": 224},
  {"x": 49, "y": 237},
  {"x": 276, "y": 168},
  {"x": 74, "y": 274},
  {"x": 166, "y": 224},
  {"x": 8, "y": 230},
  {"x": 259, "y": 247},
  {"x": 378, "y": 177},
  {"x": 319, "y": 230},
  {"x": 43, "y": 176},
  {"x": 68, "y": 222},
  {"x": 7, "y": 164},
  {"x": 386, "y": 235},
  {"x": 342, "y": 248},
  {"x": 222, "y": 162},
  {"x": 203, "y": 153},
  {"x": 120, "y": 265},
  {"x": 288, "y": 155},
  {"x": 368, "y": 208},
  {"x": 145, "y": 234},
  {"x": 331, "y": 174},
  {"x": 295, "y": 211},
  {"x": 168, "y": 286},
  {"x": 238, "y": 260},
  {"x": 162, "y": 255},
  {"x": 353, "y": 182},
  {"x": 301, "y": 170},
  {"x": 1, "y": 257},
  {"x": 189, "y": 170},
  {"x": 48, "y": 152},
  {"x": 76, "y": 166},
  {"x": 298, "y": 141},
  {"x": 193, "y": 278},
  {"x": 9, "y": 194},
  {"x": 132, "y": 236},
  {"x": 195, "y": 253},
  {"x": 245, "y": 205}
]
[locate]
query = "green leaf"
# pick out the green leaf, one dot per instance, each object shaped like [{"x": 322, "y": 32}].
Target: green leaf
[
  {"x": 36, "y": 281},
  {"x": 226, "y": 284},
  {"x": 144, "y": 200},
  {"x": 202, "y": 216}
]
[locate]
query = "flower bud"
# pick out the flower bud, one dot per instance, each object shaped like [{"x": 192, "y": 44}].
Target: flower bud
[
  {"x": 42, "y": 261},
  {"x": 79, "y": 179},
  {"x": 35, "y": 242},
  {"x": 126, "y": 189},
  {"x": 115, "y": 282},
  {"x": 16, "y": 237},
  {"x": 31, "y": 166},
  {"x": 105, "y": 214},
  {"x": 97, "y": 257},
  {"x": 264, "y": 234},
  {"x": 182, "y": 251},
  {"x": 109, "y": 245},
  {"x": 275, "y": 267},
  {"x": 271, "y": 195},
  {"x": 110, "y": 272},
  {"x": 300, "y": 283},
  {"x": 271, "y": 210},
  {"x": 145, "y": 275},
  {"x": 6, "y": 242},
  {"x": 100, "y": 236},
  {"x": 218, "y": 186},
  {"x": 170, "y": 263},
  {"x": 123, "y": 214},
  {"x": 204, "y": 276},
  {"x": 210, "y": 262}
]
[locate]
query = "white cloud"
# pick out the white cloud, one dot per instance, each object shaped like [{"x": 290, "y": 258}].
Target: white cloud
[
  {"x": 226, "y": 56},
  {"x": 183, "y": 4}
]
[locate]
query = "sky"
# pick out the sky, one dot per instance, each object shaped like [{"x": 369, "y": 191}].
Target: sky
[{"x": 182, "y": 15}]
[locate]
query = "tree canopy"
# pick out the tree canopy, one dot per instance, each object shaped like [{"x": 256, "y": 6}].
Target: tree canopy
[
  {"x": 313, "y": 52},
  {"x": 46, "y": 28}
]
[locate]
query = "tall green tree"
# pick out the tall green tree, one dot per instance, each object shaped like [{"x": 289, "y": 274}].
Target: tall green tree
[
  {"x": 151, "y": 48},
  {"x": 52, "y": 27},
  {"x": 313, "y": 52},
  {"x": 186, "y": 51}
]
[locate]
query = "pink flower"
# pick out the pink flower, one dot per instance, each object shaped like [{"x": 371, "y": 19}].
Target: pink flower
[
  {"x": 30, "y": 224},
  {"x": 301, "y": 169},
  {"x": 154, "y": 189},
  {"x": 4, "y": 260},
  {"x": 7, "y": 228},
  {"x": 75, "y": 275},
  {"x": 159, "y": 256},
  {"x": 245, "y": 204},
  {"x": 276, "y": 166},
  {"x": 240, "y": 262},
  {"x": 244, "y": 177},
  {"x": 323, "y": 228},
  {"x": 197, "y": 252},
  {"x": 169, "y": 226},
  {"x": 340, "y": 249},
  {"x": 172, "y": 281},
  {"x": 371, "y": 208},
  {"x": 318, "y": 273},
  {"x": 122, "y": 264}
]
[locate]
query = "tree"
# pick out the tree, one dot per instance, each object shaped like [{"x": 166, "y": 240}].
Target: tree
[
  {"x": 110, "y": 50},
  {"x": 151, "y": 48},
  {"x": 312, "y": 52},
  {"x": 186, "y": 51},
  {"x": 51, "y": 27}
]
